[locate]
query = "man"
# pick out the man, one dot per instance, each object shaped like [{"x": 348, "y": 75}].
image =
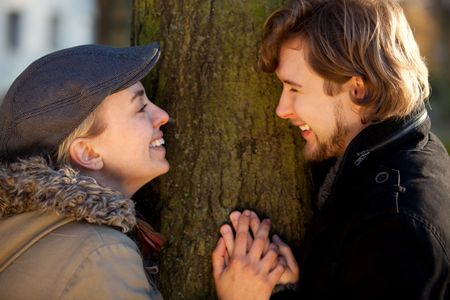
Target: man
[{"x": 355, "y": 84}]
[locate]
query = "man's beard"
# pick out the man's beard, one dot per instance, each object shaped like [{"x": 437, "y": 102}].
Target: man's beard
[{"x": 335, "y": 145}]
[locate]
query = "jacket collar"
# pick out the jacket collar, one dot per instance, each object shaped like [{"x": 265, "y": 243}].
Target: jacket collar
[
  {"x": 370, "y": 146},
  {"x": 386, "y": 135},
  {"x": 33, "y": 184}
]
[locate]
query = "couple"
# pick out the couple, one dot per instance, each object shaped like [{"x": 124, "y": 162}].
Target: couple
[{"x": 355, "y": 85}]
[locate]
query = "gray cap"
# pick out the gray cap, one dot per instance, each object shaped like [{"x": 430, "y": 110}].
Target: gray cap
[{"x": 58, "y": 91}]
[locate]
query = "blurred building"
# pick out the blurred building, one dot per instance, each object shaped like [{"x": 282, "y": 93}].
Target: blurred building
[{"x": 30, "y": 29}]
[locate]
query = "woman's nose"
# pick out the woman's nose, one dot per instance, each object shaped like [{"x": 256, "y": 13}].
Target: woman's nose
[{"x": 160, "y": 117}]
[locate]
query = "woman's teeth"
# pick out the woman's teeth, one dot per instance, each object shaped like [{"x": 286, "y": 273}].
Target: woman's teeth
[
  {"x": 304, "y": 127},
  {"x": 157, "y": 143}
]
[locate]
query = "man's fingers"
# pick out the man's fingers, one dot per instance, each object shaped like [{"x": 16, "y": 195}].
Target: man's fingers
[
  {"x": 275, "y": 274},
  {"x": 282, "y": 261},
  {"x": 286, "y": 252},
  {"x": 218, "y": 258},
  {"x": 269, "y": 261},
  {"x": 228, "y": 237},
  {"x": 240, "y": 246},
  {"x": 260, "y": 241}
]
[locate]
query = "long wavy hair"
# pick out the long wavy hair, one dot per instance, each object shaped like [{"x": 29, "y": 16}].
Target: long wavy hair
[{"x": 367, "y": 38}]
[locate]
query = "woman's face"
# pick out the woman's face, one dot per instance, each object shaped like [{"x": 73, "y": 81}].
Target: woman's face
[{"x": 131, "y": 145}]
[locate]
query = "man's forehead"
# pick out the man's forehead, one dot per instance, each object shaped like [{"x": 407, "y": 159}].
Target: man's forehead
[{"x": 291, "y": 59}]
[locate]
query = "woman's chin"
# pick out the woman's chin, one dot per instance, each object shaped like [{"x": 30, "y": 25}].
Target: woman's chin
[{"x": 163, "y": 169}]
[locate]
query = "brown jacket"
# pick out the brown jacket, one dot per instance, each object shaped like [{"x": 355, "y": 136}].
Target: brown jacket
[{"x": 60, "y": 237}]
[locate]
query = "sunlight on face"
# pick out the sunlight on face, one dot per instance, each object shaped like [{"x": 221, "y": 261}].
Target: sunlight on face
[
  {"x": 327, "y": 123},
  {"x": 131, "y": 145}
]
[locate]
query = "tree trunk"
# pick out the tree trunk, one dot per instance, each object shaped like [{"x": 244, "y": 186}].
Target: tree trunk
[{"x": 226, "y": 147}]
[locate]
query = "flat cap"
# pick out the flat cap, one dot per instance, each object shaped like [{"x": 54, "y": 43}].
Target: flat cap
[{"x": 58, "y": 91}]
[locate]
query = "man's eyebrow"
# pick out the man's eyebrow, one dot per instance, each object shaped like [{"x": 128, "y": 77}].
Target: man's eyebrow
[
  {"x": 138, "y": 94},
  {"x": 292, "y": 83}
]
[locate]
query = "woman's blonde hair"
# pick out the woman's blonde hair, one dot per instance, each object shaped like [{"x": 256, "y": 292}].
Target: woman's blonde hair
[
  {"x": 90, "y": 127},
  {"x": 345, "y": 38}
]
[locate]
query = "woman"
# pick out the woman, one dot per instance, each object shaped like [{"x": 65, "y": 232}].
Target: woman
[{"x": 78, "y": 137}]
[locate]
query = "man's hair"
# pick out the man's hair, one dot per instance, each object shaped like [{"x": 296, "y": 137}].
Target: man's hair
[
  {"x": 90, "y": 127},
  {"x": 345, "y": 38}
]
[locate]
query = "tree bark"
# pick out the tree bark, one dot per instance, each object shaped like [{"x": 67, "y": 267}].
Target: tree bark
[{"x": 226, "y": 147}]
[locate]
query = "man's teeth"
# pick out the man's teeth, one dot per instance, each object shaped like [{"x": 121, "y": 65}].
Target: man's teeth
[
  {"x": 157, "y": 143},
  {"x": 304, "y": 127}
]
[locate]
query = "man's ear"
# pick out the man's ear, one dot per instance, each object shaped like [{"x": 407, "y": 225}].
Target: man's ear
[
  {"x": 83, "y": 154},
  {"x": 357, "y": 88}
]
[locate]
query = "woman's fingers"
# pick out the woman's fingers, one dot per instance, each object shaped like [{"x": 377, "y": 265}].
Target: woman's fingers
[
  {"x": 254, "y": 223},
  {"x": 218, "y": 258},
  {"x": 240, "y": 245},
  {"x": 228, "y": 237},
  {"x": 261, "y": 238},
  {"x": 227, "y": 259},
  {"x": 234, "y": 218}
]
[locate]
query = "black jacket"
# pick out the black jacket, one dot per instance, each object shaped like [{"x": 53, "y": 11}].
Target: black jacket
[{"x": 384, "y": 232}]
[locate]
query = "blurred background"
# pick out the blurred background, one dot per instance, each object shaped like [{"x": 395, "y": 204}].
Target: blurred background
[{"x": 30, "y": 29}]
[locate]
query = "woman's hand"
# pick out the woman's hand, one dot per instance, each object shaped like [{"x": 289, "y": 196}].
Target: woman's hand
[
  {"x": 286, "y": 257},
  {"x": 247, "y": 274}
]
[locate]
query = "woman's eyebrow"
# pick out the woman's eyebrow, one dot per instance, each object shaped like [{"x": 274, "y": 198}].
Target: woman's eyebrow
[{"x": 138, "y": 94}]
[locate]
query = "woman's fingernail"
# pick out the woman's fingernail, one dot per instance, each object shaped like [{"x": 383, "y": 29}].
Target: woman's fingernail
[
  {"x": 247, "y": 213},
  {"x": 224, "y": 229}
]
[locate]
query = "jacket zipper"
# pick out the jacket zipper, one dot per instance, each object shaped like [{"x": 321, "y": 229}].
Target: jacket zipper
[{"x": 414, "y": 123}]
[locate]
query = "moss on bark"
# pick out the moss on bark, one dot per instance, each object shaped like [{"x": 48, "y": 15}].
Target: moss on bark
[{"x": 226, "y": 147}]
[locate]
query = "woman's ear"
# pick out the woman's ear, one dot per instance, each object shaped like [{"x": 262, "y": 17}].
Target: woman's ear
[{"x": 83, "y": 154}]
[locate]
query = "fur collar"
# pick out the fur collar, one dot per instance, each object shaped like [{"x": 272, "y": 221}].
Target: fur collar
[{"x": 33, "y": 184}]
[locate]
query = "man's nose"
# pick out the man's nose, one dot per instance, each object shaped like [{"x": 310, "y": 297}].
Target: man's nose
[{"x": 284, "y": 108}]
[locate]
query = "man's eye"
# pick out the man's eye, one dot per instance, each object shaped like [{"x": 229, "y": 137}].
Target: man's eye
[
  {"x": 143, "y": 108},
  {"x": 294, "y": 90}
]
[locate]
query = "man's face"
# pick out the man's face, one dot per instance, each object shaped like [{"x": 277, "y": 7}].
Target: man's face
[{"x": 327, "y": 123}]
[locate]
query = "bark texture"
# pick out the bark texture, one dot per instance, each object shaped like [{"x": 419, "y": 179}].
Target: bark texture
[{"x": 226, "y": 147}]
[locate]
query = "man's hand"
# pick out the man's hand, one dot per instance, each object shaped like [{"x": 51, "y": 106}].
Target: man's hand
[
  {"x": 286, "y": 258},
  {"x": 248, "y": 274}
]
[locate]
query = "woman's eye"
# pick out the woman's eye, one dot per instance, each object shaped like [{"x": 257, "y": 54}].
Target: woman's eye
[
  {"x": 293, "y": 90},
  {"x": 143, "y": 108}
]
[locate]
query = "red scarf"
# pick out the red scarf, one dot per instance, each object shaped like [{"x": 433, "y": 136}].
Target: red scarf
[{"x": 150, "y": 239}]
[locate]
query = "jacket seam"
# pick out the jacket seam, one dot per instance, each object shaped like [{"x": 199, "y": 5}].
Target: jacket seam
[{"x": 433, "y": 230}]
